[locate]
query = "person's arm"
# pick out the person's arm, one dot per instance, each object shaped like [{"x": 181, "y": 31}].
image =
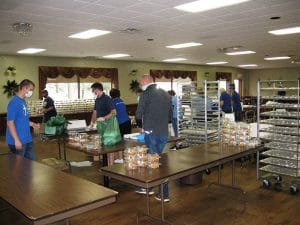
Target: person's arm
[
  {"x": 13, "y": 132},
  {"x": 112, "y": 113},
  {"x": 93, "y": 118},
  {"x": 48, "y": 109},
  {"x": 140, "y": 108}
]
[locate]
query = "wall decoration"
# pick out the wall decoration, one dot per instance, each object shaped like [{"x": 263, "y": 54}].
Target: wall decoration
[
  {"x": 11, "y": 70},
  {"x": 11, "y": 88},
  {"x": 134, "y": 85}
]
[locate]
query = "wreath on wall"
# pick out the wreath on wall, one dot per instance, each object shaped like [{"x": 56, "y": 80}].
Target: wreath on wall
[
  {"x": 11, "y": 88},
  {"x": 134, "y": 85}
]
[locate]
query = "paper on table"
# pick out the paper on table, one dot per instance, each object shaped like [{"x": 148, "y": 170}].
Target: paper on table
[{"x": 81, "y": 164}]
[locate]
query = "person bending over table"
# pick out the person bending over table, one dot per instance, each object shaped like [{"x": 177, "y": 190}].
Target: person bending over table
[
  {"x": 155, "y": 110},
  {"x": 104, "y": 109}
]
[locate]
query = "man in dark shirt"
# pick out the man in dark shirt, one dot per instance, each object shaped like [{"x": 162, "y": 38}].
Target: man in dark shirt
[
  {"x": 48, "y": 107},
  {"x": 155, "y": 109},
  {"x": 104, "y": 109},
  {"x": 236, "y": 103},
  {"x": 104, "y": 106}
]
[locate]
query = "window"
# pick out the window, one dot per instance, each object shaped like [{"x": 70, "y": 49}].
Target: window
[
  {"x": 68, "y": 83},
  {"x": 61, "y": 88}
]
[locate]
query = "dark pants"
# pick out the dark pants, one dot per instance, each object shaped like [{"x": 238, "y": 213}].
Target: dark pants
[
  {"x": 238, "y": 116},
  {"x": 125, "y": 128}
]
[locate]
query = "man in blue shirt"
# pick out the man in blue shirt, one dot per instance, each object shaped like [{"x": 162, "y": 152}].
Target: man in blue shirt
[
  {"x": 18, "y": 135},
  {"x": 122, "y": 115},
  {"x": 236, "y": 103},
  {"x": 225, "y": 101}
]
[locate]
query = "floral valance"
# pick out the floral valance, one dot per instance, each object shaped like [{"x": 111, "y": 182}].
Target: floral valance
[
  {"x": 80, "y": 72},
  {"x": 171, "y": 74}
]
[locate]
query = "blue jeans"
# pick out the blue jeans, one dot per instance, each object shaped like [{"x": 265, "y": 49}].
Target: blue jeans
[
  {"x": 156, "y": 144},
  {"x": 27, "y": 151},
  {"x": 175, "y": 127}
]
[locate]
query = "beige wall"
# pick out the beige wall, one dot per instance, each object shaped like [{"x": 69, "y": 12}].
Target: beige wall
[
  {"x": 270, "y": 74},
  {"x": 27, "y": 67}
]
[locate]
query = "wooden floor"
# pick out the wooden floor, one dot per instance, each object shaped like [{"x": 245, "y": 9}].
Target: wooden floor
[{"x": 189, "y": 205}]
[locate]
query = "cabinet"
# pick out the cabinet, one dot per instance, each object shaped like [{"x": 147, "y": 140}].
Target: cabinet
[
  {"x": 199, "y": 112},
  {"x": 278, "y": 124}
]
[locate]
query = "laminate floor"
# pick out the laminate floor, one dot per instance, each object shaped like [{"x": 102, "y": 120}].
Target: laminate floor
[{"x": 189, "y": 205}]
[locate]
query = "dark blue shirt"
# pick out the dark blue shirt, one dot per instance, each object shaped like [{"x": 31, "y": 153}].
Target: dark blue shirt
[
  {"x": 103, "y": 105},
  {"x": 226, "y": 98},
  {"x": 236, "y": 102},
  {"x": 122, "y": 115},
  {"x": 18, "y": 113}
]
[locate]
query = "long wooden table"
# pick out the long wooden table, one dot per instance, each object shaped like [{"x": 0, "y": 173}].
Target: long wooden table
[
  {"x": 104, "y": 150},
  {"x": 178, "y": 164},
  {"x": 44, "y": 195}
]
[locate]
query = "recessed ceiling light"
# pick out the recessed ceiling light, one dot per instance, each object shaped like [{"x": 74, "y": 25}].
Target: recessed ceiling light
[
  {"x": 248, "y": 65},
  {"x": 184, "y": 45},
  {"x": 205, "y": 5},
  {"x": 240, "y": 53},
  {"x": 291, "y": 30},
  {"x": 119, "y": 55},
  {"x": 277, "y": 58},
  {"x": 216, "y": 63},
  {"x": 31, "y": 50},
  {"x": 89, "y": 34},
  {"x": 174, "y": 60}
]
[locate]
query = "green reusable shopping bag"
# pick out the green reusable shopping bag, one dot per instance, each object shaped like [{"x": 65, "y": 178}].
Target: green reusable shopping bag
[{"x": 109, "y": 131}]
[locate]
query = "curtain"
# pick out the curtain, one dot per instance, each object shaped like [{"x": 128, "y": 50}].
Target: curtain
[{"x": 53, "y": 72}]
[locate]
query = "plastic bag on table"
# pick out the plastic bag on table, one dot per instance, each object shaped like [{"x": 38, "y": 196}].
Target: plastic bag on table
[{"x": 109, "y": 131}]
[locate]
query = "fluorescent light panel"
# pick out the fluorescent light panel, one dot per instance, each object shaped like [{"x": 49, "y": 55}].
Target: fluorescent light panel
[
  {"x": 184, "y": 45},
  {"x": 216, "y": 63},
  {"x": 248, "y": 65},
  {"x": 174, "y": 60},
  {"x": 240, "y": 53},
  {"x": 118, "y": 55},
  {"x": 205, "y": 5},
  {"x": 277, "y": 58},
  {"x": 31, "y": 50},
  {"x": 291, "y": 30},
  {"x": 89, "y": 34}
]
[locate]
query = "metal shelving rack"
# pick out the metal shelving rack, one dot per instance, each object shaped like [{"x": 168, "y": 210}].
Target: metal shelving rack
[
  {"x": 198, "y": 112},
  {"x": 278, "y": 125}
]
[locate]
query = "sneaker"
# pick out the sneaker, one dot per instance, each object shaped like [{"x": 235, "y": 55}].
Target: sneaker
[
  {"x": 157, "y": 197},
  {"x": 143, "y": 191}
]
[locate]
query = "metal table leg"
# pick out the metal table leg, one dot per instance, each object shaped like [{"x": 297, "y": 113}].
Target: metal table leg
[{"x": 105, "y": 163}]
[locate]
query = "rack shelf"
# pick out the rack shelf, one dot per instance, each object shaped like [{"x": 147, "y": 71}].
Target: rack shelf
[
  {"x": 198, "y": 111},
  {"x": 281, "y": 113}
]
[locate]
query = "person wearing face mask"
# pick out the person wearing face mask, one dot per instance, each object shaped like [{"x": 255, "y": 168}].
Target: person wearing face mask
[
  {"x": 104, "y": 109},
  {"x": 18, "y": 135},
  {"x": 155, "y": 109},
  {"x": 48, "y": 106}
]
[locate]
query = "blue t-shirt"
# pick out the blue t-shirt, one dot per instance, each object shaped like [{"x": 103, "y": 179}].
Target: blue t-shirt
[
  {"x": 18, "y": 113},
  {"x": 226, "y": 98},
  {"x": 103, "y": 105},
  {"x": 122, "y": 115}
]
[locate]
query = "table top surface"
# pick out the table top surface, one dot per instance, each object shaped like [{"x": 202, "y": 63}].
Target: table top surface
[
  {"x": 179, "y": 161},
  {"x": 39, "y": 191},
  {"x": 105, "y": 149},
  {"x": 121, "y": 146}
]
